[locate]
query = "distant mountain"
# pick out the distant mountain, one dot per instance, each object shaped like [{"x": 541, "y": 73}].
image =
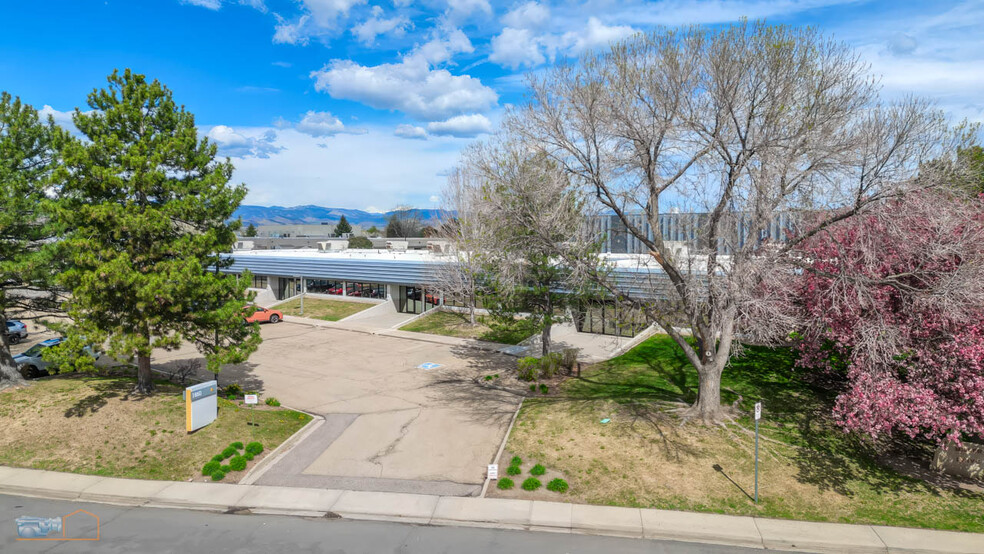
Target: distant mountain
[{"x": 278, "y": 215}]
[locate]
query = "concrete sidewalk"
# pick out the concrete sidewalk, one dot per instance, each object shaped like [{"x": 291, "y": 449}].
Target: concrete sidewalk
[{"x": 485, "y": 512}]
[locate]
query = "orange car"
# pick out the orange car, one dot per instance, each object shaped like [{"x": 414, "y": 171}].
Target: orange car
[{"x": 256, "y": 314}]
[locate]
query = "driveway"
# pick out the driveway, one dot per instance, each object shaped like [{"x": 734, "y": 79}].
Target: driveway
[{"x": 390, "y": 425}]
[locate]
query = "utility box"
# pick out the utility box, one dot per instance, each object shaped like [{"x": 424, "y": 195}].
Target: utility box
[{"x": 201, "y": 405}]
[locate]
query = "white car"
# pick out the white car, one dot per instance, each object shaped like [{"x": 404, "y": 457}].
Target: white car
[
  {"x": 32, "y": 365},
  {"x": 16, "y": 331}
]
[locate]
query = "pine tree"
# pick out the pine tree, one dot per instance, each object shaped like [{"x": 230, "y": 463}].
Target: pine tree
[
  {"x": 250, "y": 230},
  {"x": 148, "y": 209},
  {"x": 343, "y": 227},
  {"x": 27, "y": 255}
]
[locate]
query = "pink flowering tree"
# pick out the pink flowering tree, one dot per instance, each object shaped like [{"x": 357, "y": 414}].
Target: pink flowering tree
[{"x": 893, "y": 301}]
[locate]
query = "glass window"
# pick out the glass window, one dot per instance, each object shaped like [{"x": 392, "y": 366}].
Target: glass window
[
  {"x": 259, "y": 282},
  {"x": 366, "y": 290},
  {"x": 325, "y": 286}
]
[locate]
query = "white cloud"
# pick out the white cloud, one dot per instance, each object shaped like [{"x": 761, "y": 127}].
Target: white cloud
[
  {"x": 514, "y": 48},
  {"x": 464, "y": 8},
  {"x": 208, "y": 4},
  {"x": 216, "y": 4},
  {"x": 62, "y": 119},
  {"x": 376, "y": 169},
  {"x": 527, "y": 16},
  {"x": 368, "y": 30},
  {"x": 244, "y": 145},
  {"x": 435, "y": 198},
  {"x": 286, "y": 32},
  {"x": 595, "y": 34},
  {"x": 410, "y": 132},
  {"x": 327, "y": 12},
  {"x": 323, "y": 124},
  {"x": 461, "y": 126},
  {"x": 411, "y": 86}
]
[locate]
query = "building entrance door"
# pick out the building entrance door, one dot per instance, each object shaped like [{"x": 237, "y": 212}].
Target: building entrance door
[{"x": 287, "y": 287}]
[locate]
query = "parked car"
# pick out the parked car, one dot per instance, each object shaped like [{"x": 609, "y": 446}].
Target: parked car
[
  {"x": 16, "y": 331},
  {"x": 32, "y": 365},
  {"x": 258, "y": 314}
]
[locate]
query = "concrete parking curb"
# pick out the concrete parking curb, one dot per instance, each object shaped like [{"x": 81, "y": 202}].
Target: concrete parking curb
[{"x": 489, "y": 512}]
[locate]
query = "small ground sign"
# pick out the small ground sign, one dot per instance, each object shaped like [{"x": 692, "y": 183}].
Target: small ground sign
[
  {"x": 252, "y": 399},
  {"x": 200, "y": 405},
  {"x": 493, "y": 471}
]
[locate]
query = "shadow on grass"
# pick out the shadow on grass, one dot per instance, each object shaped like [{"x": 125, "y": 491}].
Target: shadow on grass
[
  {"x": 797, "y": 411},
  {"x": 104, "y": 388}
]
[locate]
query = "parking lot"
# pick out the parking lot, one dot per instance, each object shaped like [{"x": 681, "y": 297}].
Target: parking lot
[{"x": 390, "y": 424}]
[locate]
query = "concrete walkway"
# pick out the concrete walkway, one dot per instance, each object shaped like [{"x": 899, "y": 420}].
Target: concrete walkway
[{"x": 485, "y": 512}]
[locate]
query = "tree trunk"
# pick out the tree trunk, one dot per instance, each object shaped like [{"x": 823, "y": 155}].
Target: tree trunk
[
  {"x": 145, "y": 378},
  {"x": 545, "y": 339},
  {"x": 708, "y": 405},
  {"x": 8, "y": 370}
]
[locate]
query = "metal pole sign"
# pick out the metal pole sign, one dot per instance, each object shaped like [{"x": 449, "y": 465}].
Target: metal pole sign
[
  {"x": 251, "y": 401},
  {"x": 758, "y": 416}
]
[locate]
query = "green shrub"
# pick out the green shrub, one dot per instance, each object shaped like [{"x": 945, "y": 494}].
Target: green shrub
[
  {"x": 488, "y": 378},
  {"x": 233, "y": 389},
  {"x": 568, "y": 358},
  {"x": 532, "y": 387},
  {"x": 272, "y": 402},
  {"x": 513, "y": 470},
  {"x": 248, "y": 456},
  {"x": 528, "y": 368},
  {"x": 505, "y": 484},
  {"x": 538, "y": 470},
  {"x": 254, "y": 448},
  {"x": 229, "y": 452},
  {"x": 237, "y": 463},
  {"x": 550, "y": 365},
  {"x": 557, "y": 485},
  {"x": 237, "y": 445},
  {"x": 516, "y": 461},
  {"x": 224, "y": 468},
  {"x": 210, "y": 467},
  {"x": 218, "y": 458},
  {"x": 544, "y": 389},
  {"x": 218, "y": 475},
  {"x": 531, "y": 484}
]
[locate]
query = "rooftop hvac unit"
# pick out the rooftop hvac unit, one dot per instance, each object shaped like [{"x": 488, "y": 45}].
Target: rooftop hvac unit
[
  {"x": 332, "y": 245},
  {"x": 439, "y": 246},
  {"x": 398, "y": 245},
  {"x": 244, "y": 245}
]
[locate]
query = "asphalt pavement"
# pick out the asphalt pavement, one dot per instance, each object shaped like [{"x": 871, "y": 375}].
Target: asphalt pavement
[{"x": 153, "y": 530}]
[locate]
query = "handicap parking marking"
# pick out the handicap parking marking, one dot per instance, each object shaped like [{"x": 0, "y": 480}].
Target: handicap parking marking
[{"x": 428, "y": 365}]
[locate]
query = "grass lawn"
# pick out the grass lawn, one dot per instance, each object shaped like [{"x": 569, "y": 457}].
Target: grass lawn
[
  {"x": 88, "y": 424},
  {"x": 454, "y": 324},
  {"x": 644, "y": 457},
  {"x": 320, "y": 308}
]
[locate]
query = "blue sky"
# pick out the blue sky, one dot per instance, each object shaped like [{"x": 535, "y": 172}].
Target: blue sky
[{"x": 367, "y": 104}]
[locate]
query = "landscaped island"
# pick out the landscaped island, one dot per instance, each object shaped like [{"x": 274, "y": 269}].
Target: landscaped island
[
  {"x": 73, "y": 423},
  {"x": 642, "y": 457}
]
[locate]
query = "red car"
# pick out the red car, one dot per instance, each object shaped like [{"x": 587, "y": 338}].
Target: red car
[{"x": 256, "y": 314}]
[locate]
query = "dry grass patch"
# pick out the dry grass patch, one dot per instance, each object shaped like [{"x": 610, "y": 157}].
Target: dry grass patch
[
  {"x": 646, "y": 457},
  {"x": 321, "y": 308},
  {"x": 93, "y": 425}
]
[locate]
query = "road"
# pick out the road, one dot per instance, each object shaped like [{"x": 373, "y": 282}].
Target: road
[{"x": 151, "y": 530}]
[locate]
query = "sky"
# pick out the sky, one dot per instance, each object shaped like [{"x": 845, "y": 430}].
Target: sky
[{"x": 367, "y": 104}]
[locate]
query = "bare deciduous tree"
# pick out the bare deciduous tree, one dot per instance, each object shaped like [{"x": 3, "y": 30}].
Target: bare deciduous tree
[
  {"x": 460, "y": 279},
  {"x": 525, "y": 208},
  {"x": 743, "y": 124}
]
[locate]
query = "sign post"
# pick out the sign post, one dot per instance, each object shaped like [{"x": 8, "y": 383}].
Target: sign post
[
  {"x": 493, "y": 472},
  {"x": 758, "y": 416},
  {"x": 300, "y": 283},
  {"x": 251, "y": 401}
]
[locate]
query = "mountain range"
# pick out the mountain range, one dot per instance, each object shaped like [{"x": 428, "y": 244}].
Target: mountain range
[{"x": 279, "y": 215}]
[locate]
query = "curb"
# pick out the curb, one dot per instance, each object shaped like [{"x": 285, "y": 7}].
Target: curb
[
  {"x": 498, "y": 513},
  {"x": 268, "y": 461}
]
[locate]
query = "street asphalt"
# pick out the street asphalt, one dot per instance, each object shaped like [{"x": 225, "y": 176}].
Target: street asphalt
[{"x": 169, "y": 530}]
